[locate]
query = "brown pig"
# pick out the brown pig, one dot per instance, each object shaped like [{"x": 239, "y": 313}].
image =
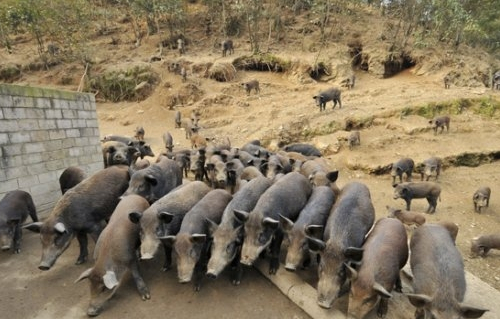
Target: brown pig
[
  {"x": 70, "y": 177},
  {"x": 15, "y": 207},
  {"x": 410, "y": 190},
  {"x": 354, "y": 139},
  {"x": 168, "y": 141},
  {"x": 320, "y": 174},
  {"x": 251, "y": 85},
  {"x": 314, "y": 213},
  {"x": 349, "y": 221},
  {"x": 481, "y": 245},
  {"x": 406, "y": 217},
  {"x": 80, "y": 211},
  {"x": 440, "y": 122},
  {"x": 438, "y": 276},
  {"x": 431, "y": 166},
  {"x": 191, "y": 243},
  {"x": 139, "y": 133},
  {"x": 385, "y": 253},
  {"x": 481, "y": 198},
  {"x": 402, "y": 166},
  {"x": 115, "y": 254},
  {"x": 451, "y": 227}
]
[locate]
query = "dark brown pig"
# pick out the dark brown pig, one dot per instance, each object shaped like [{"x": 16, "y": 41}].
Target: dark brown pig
[
  {"x": 438, "y": 276},
  {"x": 15, "y": 207},
  {"x": 118, "y": 153},
  {"x": 332, "y": 94},
  {"x": 385, "y": 253},
  {"x": 451, "y": 227},
  {"x": 440, "y": 122},
  {"x": 156, "y": 180},
  {"x": 227, "y": 47},
  {"x": 319, "y": 174},
  {"x": 432, "y": 166},
  {"x": 115, "y": 253},
  {"x": 481, "y": 245},
  {"x": 354, "y": 139},
  {"x": 228, "y": 235},
  {"x": 139, "y": 133},
  {"x": 314, "y": 213},
  {"x": 164, "y": 218},
  {"x": 251, "y": 85},
  {"x": 303, "y": 148},
  {"x": 81, "y": 210},
  {"x": 276, "y": 164},
  {"x": 406, "y": 217},
  {"x": 177, "y": 119},
  {"x": 70, "y": 177},
  {"x": 481, "y": 198},
  {"x": 428, "y": 190},
  {"x": 287, "y": 196},
  {"x": 168, "y": 141},
  {"x": 350, "y": 220},
  {"x": 143, "y": 147},
  {"x": 191, "y": 243},
  {"x": 402, "y": 166},
  {"x": 197, "y": 164}
]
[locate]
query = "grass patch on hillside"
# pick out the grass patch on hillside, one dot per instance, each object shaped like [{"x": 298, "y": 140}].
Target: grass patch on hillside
[
  {"x": 486, "y": 106},
  {"x": 262, "y": 62}
]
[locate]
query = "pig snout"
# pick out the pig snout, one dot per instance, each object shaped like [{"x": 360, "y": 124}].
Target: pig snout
[
  {"x": 324, "y": 302},
  {"x": 44, "y": 266},
  {"x": 93, "y": 311},
  {"x": 211, "y": 275},
  {"x": 5, "y": 247},
  {"x": 290, "y": 267}
]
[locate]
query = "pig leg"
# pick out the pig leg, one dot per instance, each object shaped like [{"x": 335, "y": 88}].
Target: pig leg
[
  {"x": 17, "y": 239},
  {"x": 274, "y": 263},
  {"x": 236, "y": 269},
  {"x": 139, "y": 282},
  {"x": 485, "y": 251},
  {"x": 168, "y": 257},
  {"x": 408, "y": 203},
  {"x": 382, "y": 307},
  {"x": 432, "y": 205},
  {"x": 399, "y": 286},
  {"x": 83, "y": 242}
]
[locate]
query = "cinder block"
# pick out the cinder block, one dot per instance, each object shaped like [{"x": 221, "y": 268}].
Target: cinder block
[
  {"x": 23, "y": 101},
  {"x": 53, "y": 114},
  {"x": 78, "y": 123},
  {"x": 53, "y": 145},
  {"x": 12, "y": 149},
  {"x": 6, "y": 100},
  {"x": 42, "y": 102},
  {"x": 11, "y": 113},
  {"x": 36, "y": 147},
  {"x": 8, "y": 185},
  {"x": 70, "y": 114},
  {"x": 32, "y": 113},
  {"x": 68, "y": 142},
  {"x": 54, "y": 165},
  {"x": 19, "y": 137},
  {"x": 4, "y": 139},
  {"x": 29, "y": 159},
  {"x": 64, "y": 124},
  {"x": 73, "y": 132},
  {"x": 9, "y": 125},
  {"x": 37, "y": 169},
  {"x": 38, "y": 136},
  {"x": 16, "y": 172},
  {"x": 57, "y": 134},
  {"x": 47, "y": 124},
  {"x": 47, "y": 177},
  {"x": 27, "y": 181}
]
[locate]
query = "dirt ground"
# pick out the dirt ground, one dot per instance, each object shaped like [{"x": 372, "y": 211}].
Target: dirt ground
[{"x": 284, "y": 105}]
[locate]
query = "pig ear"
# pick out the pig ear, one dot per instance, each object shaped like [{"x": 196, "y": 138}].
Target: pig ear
[
  {"x": 84, "y": 275},
  {"x": 168, "y": 239},
  {"x": 212, "y": 226},
  {"x": 315, "y": 231},
  {"x": 394, "y": 185},
  {"x": 60, "y": 228},
  {"x": 165, "y": 217},
  {"x": 270, "y": 222},
  {"x": 351, "y": 272},
  {"x": 210, "y": 166},
  {"x": 332, "y": 176},
  {"x": 241, "y": 215},
  {"x": 381, "y": 290},
  {"x": 316, "y": 245},
  {"x": 471, "y": 312},
  {"x": 419, "y": 300},
  {"x": 34, "y": 227},
  {"x": 430, "y": 122},
  {"x": 110, "y": 280},
  {"x": 135, "y": 217},
  {"x": 286, "y": 224},
  {"x": 151, "y": 180},
  {"x": 353, "y": 253},
  {"x": 198, "y": 238}
]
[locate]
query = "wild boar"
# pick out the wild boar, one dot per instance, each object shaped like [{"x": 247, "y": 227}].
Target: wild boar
[
  {"x": 251, "y": 85},
  {"x": 354, "y": 139},
  {"x": 303, "y": 148},
  {"x": 447, "y": 81},
  {"x": 198, "y": 141},
  {"x": 385, "y": 253},
  {"x": 349, "y": 221},
  {"x": 315, "y": 213},
  {"x": 251, "y": 172},
  {"x": 438, "y": 276},
  {"x": 190, "y": 128},
  {"x": 15, "y": 207},
  {"x": 115, "y": 254},
  {"x": 481, "y": 245},
  {"x": 168, "y": 141},
  {"x": 440, "y": 122},
  {"x": 428, "y": 190},
  {"x": 431, "y": 166},
  {"x": 70, "y": 177},
  {"x": 228, "y": 235},
  {"x": 143, "y": 147},
  {"x": 177, "y": 119},
  {"x": 82, "y": 210},
  {"x": 118, "y": 153},
  {"x": 276, "y": 164},
  {"x": 406, "y": 217},
  {"x": 287, "y": 196},
  {"x": 164, "y": 218},
  {"x": 319, "y": 174},
  {"x": 139, "y": 133},
  {"x": 156, "y": 180},
  {"x": 402, "y": 166},
  {"x": 332, "y": 94},
  {"x": 191, "y": 244},
  {"x": 451, "y": 227},
  {"x": 481, "y": 198},
  {"x": 197, "y": 164},
  {"x": 227, "y": 47}
]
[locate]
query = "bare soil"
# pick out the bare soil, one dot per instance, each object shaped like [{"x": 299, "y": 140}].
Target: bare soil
[{"x": 284, "y": 110}]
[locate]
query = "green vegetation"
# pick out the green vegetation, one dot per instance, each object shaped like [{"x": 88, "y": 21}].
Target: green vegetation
[
  {"x": 121, "y": 85},
  {"x": 486, "y": 106},
  {"x": 262, "y": 62},
  {"x": 328, "y": 128}
]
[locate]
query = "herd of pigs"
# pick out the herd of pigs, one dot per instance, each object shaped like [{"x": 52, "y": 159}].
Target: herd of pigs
[{"x": 215, "y": 207}]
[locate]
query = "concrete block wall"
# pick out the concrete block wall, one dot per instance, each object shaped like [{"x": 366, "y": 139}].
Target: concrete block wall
[{"x": 42, "y": 132}]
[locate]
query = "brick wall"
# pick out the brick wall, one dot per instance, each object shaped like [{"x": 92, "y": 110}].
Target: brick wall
[{"x": 42, "y": 132}]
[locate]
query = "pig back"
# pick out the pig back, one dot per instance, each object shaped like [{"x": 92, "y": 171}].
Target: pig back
[
  {"x": 287, "y": 197},
  {"x": 211, "y": 206},
  {"x": 436, "y": 264},
  {"x": 93, "y": 199},
  {"x": 351, "y": 217},
  {"x": 318, "y": 207}
]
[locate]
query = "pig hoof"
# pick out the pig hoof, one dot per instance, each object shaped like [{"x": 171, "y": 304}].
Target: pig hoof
[
  {"x": 146, "y": 296},
  {"x": 81, "y": 260},
  {"x": 197, "y": 288},
  {"x": 165, "y": 268},
  {"x": 236, "y": 282},
  {"x": 17, "y": 251},
  {"x": 273, "y": 271}
]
